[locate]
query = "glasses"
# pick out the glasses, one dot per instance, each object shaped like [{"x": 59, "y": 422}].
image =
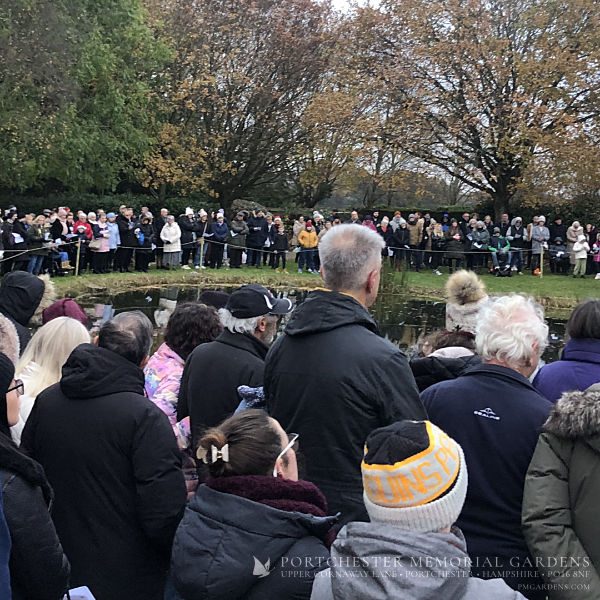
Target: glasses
[
  {"x": 293, "y": 444},
  {"x": 19, "y": 386}
]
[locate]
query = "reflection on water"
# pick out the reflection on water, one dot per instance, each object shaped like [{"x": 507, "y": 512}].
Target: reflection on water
[{"x": 402, "y": 319}]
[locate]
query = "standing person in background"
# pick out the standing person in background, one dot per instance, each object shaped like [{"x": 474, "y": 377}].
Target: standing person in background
[
  {"x": 171, "y": 236},
  {"x": 558, "y": 229},
  {"x": 114, "y": 240},
  {"x": 236, "y": 242},
  {"x": 354, "y": 220},
  {"x": 20, "y": 236},
  {"x": 83, "y": 249},
  {"x": 158, "y": 224},
  {"x": 281, "y": 247},
  {"x": 580, "y": 251},
  {"x": 297, "y": 228},
  {"x": 539, "y": 242},
  {"x": 308, "y": 241},
  {"x": 38, "y": 251},
  {"x": 82, "y": 221},
  {"x": 112, "y": 459},
  {"x": 596, "y": 256},
  {"x": 189, "y": 229},
  {"x": 401, "y": 245},
  {"x": 590, "y": 238},
  {"x": 101, "y": 232},
  {"x": 438, "y": 245},
  {"x": 269, "y": 231},
  {"x": 573, "y": 234},
  {"x": 220, "y": 232},
  {"x": 480, "y": 240},
  {"x": 368, "y": 222},
  {"x": 144, "y": 232},
  {"x": 387, "y": 233},
  {"x": 330, "y": 349},
  {"x": 415, "y": 231},
  {"x": 202, "y": 241},
  {"x": 255, "y": 239},
  {"x": 516, "y": 235},
  {"x": 128, "y": 240},
  {"x": 454, "y": 247},
  {"x": 528, "y": 243},
  {"x": 38, "y": 566},
  {"x": 504, "y": 224}
]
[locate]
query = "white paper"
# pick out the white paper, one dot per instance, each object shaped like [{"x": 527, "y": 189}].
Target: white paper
[
  {"x": 18, "y": 238},
  {"x": 81, "y": 593}
]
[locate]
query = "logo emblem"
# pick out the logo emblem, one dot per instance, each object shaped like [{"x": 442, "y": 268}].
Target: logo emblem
[
  {"x": 260, "y": 569},
  {"x": 488, "y": 413},
  {"x": 269, "y": 304}
]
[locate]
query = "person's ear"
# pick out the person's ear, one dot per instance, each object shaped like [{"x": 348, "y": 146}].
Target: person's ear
[
  {"x": 95, "y": 341},
  {"x": 279, "y": 467},
  {"x": 262, "y": 324},
  {"x": 372, "y": 281}
]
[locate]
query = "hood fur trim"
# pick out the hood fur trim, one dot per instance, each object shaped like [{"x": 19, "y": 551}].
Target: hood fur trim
[
  {"x": 575, "y": 415},
  {"x": 9, "y": 339},
  {"x": 47, "y": 299},
  {"x": 464, "y": 287}
]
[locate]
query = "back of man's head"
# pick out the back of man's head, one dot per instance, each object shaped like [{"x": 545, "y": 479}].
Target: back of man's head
[
  {"x": 348, "y": 254},
  {"x": 128, "y": 334}
]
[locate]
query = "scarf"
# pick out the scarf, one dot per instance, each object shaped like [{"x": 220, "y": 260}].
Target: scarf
[{"x": 282, "y": 494}]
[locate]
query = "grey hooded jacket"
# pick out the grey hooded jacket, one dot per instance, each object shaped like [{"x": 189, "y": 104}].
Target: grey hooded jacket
[{"x": 376, "y": 561}]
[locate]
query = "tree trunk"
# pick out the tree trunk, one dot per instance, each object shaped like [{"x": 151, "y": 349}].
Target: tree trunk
[
  {"x": 500, "y": 206},
  {"x": 162, "y": 193}
]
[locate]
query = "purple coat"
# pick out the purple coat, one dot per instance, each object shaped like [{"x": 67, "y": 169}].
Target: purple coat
[{"x": 577, "y": 370}]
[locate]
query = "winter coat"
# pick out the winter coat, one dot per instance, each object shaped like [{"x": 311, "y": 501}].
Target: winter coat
[
  {"x": 464, "y": 316},
  {"x": 212, "y": 374},
  {"x": 114, "y": 240},
  {"x": 331, "y": 378},
  {"x": 281, "y": 242},
  {"x": 86, "y": 227},
  {"x": 516, "y": 236},
  {"x": 376, "y": 560},
  {"x": 308, "y": 239},
  {"x": 219, "y": 231},
  {"x": 499, "y": 244},
  {"x": 20, "y": 229},
  {"x": 171, "y": 233},
  {"x": 101, "y": 232},
  {"x": 188, "y": 229},
  {"x": 578, "y": 368},
  {"x": 480, "y": 239},
  {"x": 454, "y": 248},
  {"x": 438, "y": 242},
  {"x": 145, "y": 237},
  {"x": 401, "y": 237},
  {"x": 113, "y": 462},
  {"x": 56, "y": 230},
  {"x": 596, "y": 251},
  {"x": 572, "y": 235},
  {"x": 580, "y": 249},
  {"x": 539, "y": 235},
  {"x": 429, "y": 370},
  {"x": 558, "y": 252},
  {"x": 269, "y": 232},
  {"x": 4, "y": 553},
  {"x": 256, "y": 235},
  {"x": 560, "y": 503},
  {"x": 20, "y": 296},
  {"x": 296, "y": 229},
  {"x": 126, "y": 235},
  {"x": 240, "y": 229},
  {"x": 387, "y": 234},
  {"x": 558, "y": 231},
  {"x": 162, "y": 380},
  {"x": 229, "y": 541},
  {"x": 415, "y": 231},
  {"x": 496, "y": 415},
  {"x": 36, "y": 241},
  {"x": 39, "y": 570},
  {"x": 158, "y": 224}
]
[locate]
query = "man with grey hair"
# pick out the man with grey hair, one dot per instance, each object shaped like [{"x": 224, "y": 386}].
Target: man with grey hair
[
  {"x": 331, "y": 378},
  {"x": 213, "y": 372},
  {"x": 113, "y": 462},
  {"x": 495, "y": 414}
]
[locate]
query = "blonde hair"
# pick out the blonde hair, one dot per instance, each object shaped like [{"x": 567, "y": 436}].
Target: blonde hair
[{"x": 49, "y": 349}]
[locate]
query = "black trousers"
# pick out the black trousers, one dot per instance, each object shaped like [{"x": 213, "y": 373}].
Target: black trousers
[
  {"x": 100, "y": 262},
  {"x": 123, "y": 258},
  {"x": 235, "y": 257},
  {"x": 216, "y": 256},
  {"x": 142, "y": 259},
  {"x": 281, "y": 254},
  {"x": 186, "y": 252}
]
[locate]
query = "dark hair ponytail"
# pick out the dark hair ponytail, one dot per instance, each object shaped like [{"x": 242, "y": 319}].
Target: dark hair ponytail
[{"x": 253, "y": 445}]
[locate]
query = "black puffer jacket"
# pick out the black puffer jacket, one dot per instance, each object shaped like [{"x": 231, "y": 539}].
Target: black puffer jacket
[
  {"x": 331, "y": 378},
  {"x": 39, "y": 570},
  {"x": 224, "y": 542},
  {"x": 433, "y": 369},
  {"x": 20, "y": 295},
  {"x": 112, "y": 459},
  {"x": 212, "y": 374},
  {"x": 256, "y": 236}
]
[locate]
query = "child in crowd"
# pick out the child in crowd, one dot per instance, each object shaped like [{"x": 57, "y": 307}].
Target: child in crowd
[
  {"x": 580, "y": 249},
  {"x": 596, "y": 253},
  {"x": 559, "y": 257},
  {"x": 280, "y": 247}
]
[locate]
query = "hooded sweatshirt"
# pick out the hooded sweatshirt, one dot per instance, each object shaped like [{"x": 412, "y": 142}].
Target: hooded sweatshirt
[
  {"x": 331, "y": 378},
  {"x": 377, "y": 560}
]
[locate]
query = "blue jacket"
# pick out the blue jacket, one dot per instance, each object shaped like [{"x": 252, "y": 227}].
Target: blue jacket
[
  {"x": 578, "y": 368},
  {"x": 496, "y": 415},
  {"x": 4, "y": 554},
  {"x": 219, "y": 232},
  {"x": 115, "y": 239}
]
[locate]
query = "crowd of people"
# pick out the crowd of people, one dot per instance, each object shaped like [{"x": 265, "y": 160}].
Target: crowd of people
[
  {"x": 58, "y": 241},
  {"x": 319, "y": 463}
]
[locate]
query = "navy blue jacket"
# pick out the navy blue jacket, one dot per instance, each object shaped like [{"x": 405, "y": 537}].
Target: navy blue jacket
[
  {"x": 219, "y": 231},
  {"x": 496, "y": 415},
  {"x": 578, "y": 368}
]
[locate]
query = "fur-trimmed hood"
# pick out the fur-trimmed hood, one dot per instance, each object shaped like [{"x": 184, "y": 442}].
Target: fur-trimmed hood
[{"x": 576, "y": 415}]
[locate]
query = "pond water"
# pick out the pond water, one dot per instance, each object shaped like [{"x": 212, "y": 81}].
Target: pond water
[{"x": 402, "y": 319}]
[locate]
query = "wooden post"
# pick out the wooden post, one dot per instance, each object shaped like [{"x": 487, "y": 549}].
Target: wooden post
[
  {"x": 542, "y": 260},
  {"x": 78, "y": 254}
]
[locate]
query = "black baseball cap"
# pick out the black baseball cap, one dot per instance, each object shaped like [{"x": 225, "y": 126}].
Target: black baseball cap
[{"x": 254, "y": 300}]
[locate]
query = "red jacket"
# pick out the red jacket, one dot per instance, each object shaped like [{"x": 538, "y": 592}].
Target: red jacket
[{"x": 88, "y": 229}]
